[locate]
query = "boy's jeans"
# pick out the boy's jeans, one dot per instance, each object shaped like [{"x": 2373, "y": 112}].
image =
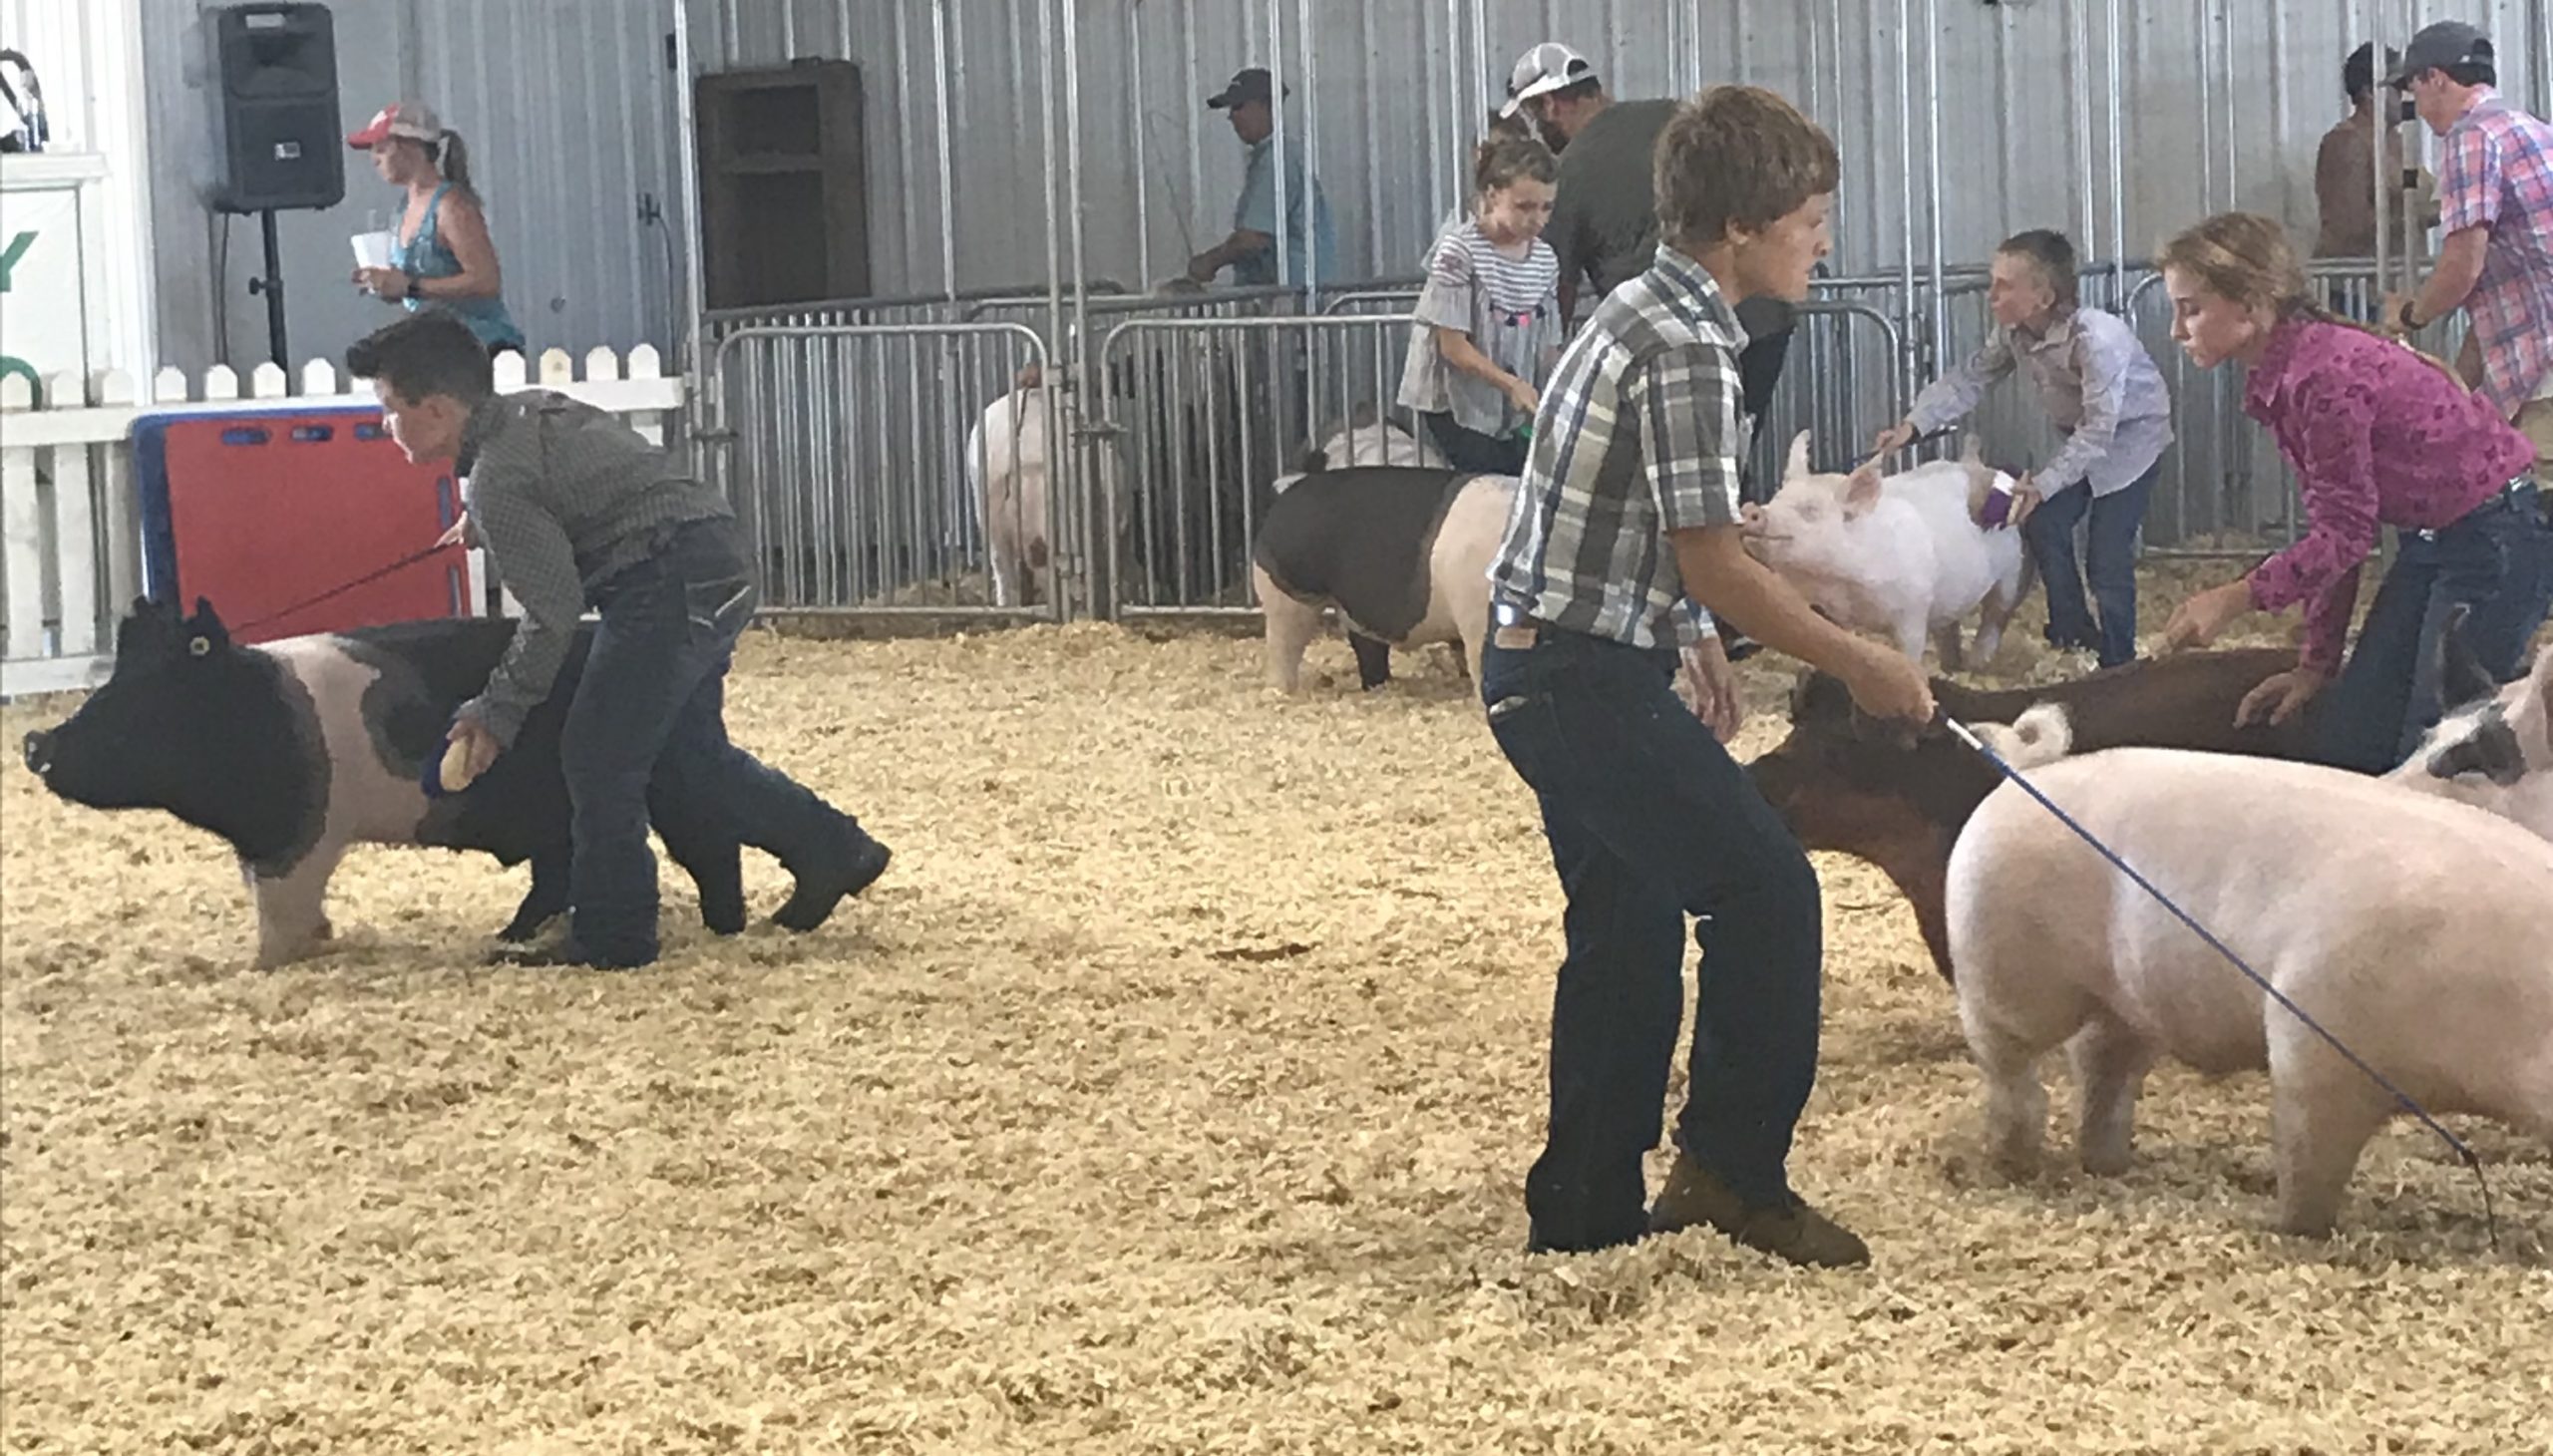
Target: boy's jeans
[
  {"x": 1649, "y": 820},
  {"x": 2110, "y": 546},
  {"x": 654, "y": 687}
]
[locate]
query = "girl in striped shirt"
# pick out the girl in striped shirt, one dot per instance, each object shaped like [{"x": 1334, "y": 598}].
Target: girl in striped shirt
[{"x": 1488, "y": 320}]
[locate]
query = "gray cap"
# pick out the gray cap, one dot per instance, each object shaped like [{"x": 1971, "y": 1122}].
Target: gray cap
[{"x": 2442, "y": 46}]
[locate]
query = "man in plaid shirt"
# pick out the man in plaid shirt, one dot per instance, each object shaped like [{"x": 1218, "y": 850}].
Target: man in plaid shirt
[
  {"x": 2495, "y": 198},
  {"x": 1624, "y": 531},
  {"x": 576, "y": 508}
]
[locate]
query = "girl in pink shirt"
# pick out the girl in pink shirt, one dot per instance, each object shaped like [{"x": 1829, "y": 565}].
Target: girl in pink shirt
[{"x": 2378, "y": 435}]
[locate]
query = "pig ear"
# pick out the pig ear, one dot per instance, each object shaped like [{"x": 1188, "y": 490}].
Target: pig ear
[
  {"x": 1797, "y": 465},
  {"x": 1861, "y": 493},
  {"x": 1970, "y": 450},
  {"x": 204, "y": 632}
]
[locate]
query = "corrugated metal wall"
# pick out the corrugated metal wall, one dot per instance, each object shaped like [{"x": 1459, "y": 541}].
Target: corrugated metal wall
[
  {"x": 567, "y": 108},
  {"x": 2221, "y": 104}
]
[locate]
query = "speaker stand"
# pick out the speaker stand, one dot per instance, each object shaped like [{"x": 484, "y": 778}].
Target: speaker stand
[{"x": 271, "y": 285}]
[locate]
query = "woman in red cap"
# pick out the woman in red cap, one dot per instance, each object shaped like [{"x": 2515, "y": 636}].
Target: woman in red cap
[{"x": 442, "y": 256}]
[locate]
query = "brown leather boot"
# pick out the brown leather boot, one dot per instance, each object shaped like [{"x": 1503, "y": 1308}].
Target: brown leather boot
[{"x": 1693, "y": 1195}]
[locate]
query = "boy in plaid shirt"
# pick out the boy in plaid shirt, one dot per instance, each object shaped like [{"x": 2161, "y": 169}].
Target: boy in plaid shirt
[{"x": 1624, "y": 531}]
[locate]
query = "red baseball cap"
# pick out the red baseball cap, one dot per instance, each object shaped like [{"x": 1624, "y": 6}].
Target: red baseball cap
[{"x": 400, "y": 118}]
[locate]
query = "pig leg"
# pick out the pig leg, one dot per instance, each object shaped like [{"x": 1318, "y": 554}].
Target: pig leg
[
  {"x": 1911, "y": 634},
  {"x": 698, "y": 838},
  {"x": 2015, "y": 1100},
  {"x": 2001, "y": 602},
  {"x": 1373, "y": 659},
  {"x": 2322, "y": 1112},
  {"x": 2012, "y": 1017},
  {"x": 292, "y": 908},
  {"x": 1946, "y": 641},
  {"x": 1291, "y": 625},
  {"x": 544, "y": 902},
  {"x": 2110, "y": 1061}
]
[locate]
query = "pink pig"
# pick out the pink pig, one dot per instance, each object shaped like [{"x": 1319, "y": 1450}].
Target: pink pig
[{"x": 1900, "y": 554}]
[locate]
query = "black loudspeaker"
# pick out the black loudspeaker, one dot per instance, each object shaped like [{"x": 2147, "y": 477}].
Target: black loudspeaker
[{"x": 278, "y": 141}]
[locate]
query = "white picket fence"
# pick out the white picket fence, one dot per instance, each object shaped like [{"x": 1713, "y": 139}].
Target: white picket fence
[{"x": 71, "y": 522}]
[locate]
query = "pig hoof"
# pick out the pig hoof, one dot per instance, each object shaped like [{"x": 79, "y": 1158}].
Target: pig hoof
[
  {"x": 722, "y": 915},
  {"x": 525, "y": 927},
  {"x": 2107, "y": 1162}
]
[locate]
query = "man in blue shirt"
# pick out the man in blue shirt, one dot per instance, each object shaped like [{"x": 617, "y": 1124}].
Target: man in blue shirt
[{"x": 1251, "y": 252}]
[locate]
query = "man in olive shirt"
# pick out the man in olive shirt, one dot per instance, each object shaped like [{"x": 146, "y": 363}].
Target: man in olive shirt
[
  {"x": 576, "y": 509},
  {"x": 1604, "y": 214}
]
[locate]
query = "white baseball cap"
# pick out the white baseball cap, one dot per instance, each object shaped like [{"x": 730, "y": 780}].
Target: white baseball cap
[{"x": 1545, "y": 68}]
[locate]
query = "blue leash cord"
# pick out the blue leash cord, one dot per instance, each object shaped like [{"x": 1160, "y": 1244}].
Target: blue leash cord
[{"x": 2489, "y": 1219}]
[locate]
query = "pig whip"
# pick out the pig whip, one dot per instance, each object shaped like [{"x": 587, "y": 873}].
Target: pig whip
[
  {"x": 401, "y": 564},
  {"x": 2490, "y": 1220}
]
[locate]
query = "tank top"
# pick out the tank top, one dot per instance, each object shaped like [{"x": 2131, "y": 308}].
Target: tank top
[{"x": 428, "y": 256}]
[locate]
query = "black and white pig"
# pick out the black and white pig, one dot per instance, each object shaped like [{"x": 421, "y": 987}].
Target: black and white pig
[
  {"x": 1403, "y": 552},
  {"x": 293, "y": 750}
]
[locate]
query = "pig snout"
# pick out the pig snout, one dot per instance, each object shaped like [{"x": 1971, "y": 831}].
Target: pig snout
[{"x": 36, "y": 748}]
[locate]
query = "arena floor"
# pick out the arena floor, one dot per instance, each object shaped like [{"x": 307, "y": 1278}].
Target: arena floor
[{"x": 1171, "y": 1094}]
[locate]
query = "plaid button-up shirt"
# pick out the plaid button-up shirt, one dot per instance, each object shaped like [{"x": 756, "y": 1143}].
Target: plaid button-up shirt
[
  {"x": 2498, "y": 174},
  {"x": 1637, "y": 435},
  {"x": 565, "y": 496}
]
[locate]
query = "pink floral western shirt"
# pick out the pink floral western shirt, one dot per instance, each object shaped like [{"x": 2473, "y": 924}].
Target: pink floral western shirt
[{"x": 2378, "y": 436}]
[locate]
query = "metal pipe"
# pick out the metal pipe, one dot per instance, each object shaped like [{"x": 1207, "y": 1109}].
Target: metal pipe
[
  {"x": 687, "y": 167},
  {"x": 1046, "y": 126},
  {"x": 1454, "y": 168},
  {"x": 2118, "y": 157},
  {"x": 904, "y": 148},
  {"x": 2387, "y": 125},
  {"x": 2078, "y": 114},
  {"x": 2206, "y": 121},
  {"x": 1092, "y": 392},
  {"x": 1907, "y": 365},
  {"x": 1280, "y": 146},
  {"x": 1373, "y": 172},
  {"x": 1142, "y": 160},
  {"x": 948, "y": 179},
  {"x": 1196, "y": 145},
  {"x": 1312, "y": 154},
  {"x": 1933, "y": 149}
]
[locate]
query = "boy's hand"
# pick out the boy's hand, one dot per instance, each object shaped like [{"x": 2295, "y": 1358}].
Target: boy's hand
[
  {"x": 2025, "y": 498},
  {"x": 1887, "y": 685},
  {"x": 1893, "y": 438},
  {"x": 474, "y": 746},
  {"x": 1716, "y": 698},
  {"x": 1523, "y": 396},
  {"x": 461, "y": 533}
]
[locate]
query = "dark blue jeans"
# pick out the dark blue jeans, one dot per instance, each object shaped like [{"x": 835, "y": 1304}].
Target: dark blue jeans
[
  {"x": 653, "y": 704},
  {"x": 1649, "y": 820},
  {"x": 2498, "y": 561},
  {"x": 1469, "y": 450},
  {"x": 2111, "y": 560}
]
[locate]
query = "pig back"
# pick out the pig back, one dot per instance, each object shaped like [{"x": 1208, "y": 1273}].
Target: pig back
[
  {"x": 424, "y": 672},
  {"x": 2411, "y": 928},
  {"x": 1361, "y": 538}
]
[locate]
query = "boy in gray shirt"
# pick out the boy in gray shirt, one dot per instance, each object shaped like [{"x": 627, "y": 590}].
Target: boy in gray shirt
[{"x": 575, "y": 509}]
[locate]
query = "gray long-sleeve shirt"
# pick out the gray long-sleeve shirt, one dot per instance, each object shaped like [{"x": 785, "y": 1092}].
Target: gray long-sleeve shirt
[
  {"x": 563, "y": 497},
  {"x": 2096, "y": 382}
]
